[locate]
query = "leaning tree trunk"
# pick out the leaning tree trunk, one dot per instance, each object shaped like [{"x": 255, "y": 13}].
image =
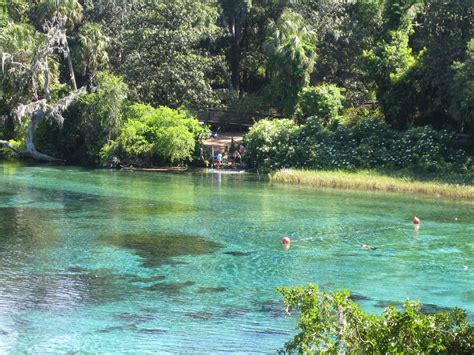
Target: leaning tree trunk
[
  {"x": 38, "y": 111},
  {"x": 31, "y": 151},
  {"x": 41, "y": 109}
]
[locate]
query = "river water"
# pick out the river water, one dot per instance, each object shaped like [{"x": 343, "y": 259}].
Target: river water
[{"x": 109, "y": 261}]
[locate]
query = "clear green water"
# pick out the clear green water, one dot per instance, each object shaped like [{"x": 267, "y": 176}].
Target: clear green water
[{"x": 117, "y": 261}]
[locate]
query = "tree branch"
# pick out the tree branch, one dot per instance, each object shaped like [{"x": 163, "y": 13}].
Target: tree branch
[
  {"x": 7, "y": 144},
  {"x": 38, "y": 111}
]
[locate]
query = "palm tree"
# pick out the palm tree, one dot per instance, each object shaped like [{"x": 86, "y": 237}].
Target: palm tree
[
  {"x": 291, "y": 48},
  {"x": 57, "y": 16},
  {"x": 71, "y": 10},
  {"x": 20, "y": 40},
  {"x": 93, "y": 52},
  {"x": 18, "y": 47}
]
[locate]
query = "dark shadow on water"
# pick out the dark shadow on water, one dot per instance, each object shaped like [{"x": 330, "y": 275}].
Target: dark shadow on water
[
  {"x": 211, "y": 289},
  {"x": 117, "y": 328},
  {"x": 77, "y": 269},
  {"x": 151, "y": 331},
  {"x": 135, "y": 318},
  {"x": 199, "y": 315},
  {"x": 237, "y": 253},
  {"x": 176, "y": 262},
  {"x": 159, "y": 249},
  {"x": 170, "y": 289},
  {"x": 356, "y": 297},
  {"x": 426, "y": 308},
  {"x": 234, "y": 313},
  {"x": 132, "y": 328},
  {"x": 274, "y": 308},
  {"x": 384, "y": 304},
  {"x": 270, "y": 332},
  {"x": 147, "y": 279}
]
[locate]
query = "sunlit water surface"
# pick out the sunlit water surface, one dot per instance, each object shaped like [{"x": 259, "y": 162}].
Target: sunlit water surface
[{"x": 113, "y": 261}]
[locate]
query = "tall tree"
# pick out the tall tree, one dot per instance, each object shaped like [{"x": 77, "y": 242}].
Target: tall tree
[
  {"x": 112, "y": 16},
  {"x": 462, "y": 90},
  {"x": 393, "y": 65},
  {"x": 92, "y": 50},
  {"x": 346, "y": 29},
  {"x": 64, "y": 14},
  {"x": 445, "y": 28},
  {"x": 165, "y": 57},
  {"x": 291, "y": 47},
  {"x": 235, "y": 13}
]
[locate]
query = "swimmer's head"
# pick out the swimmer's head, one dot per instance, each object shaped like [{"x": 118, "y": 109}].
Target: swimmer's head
[{"x": 286, "y": 240}]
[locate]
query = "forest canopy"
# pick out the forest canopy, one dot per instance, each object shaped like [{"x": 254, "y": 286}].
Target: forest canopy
[{"x": 408, "y": 61}]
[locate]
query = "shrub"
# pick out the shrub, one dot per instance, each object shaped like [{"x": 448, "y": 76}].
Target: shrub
[
  {"x": 370, "y": 143},
  {"x": 91, "y": 122},
  {"x": 352, "y": 115},
  {"x": 332, "y": 323},
  {"x": 155, "y": 136},
  {"x": 271, "y": 144},
  {"x": 323, "y": 101}
]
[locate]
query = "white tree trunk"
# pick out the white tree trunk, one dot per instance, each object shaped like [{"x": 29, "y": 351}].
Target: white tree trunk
[{"x": 38, "y": 111}]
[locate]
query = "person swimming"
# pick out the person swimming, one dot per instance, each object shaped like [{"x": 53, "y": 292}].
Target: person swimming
[
  {"x": 368, "y": 246},
  {"x": 286, "y": 241},
  {"x": 416, "y": 223}
]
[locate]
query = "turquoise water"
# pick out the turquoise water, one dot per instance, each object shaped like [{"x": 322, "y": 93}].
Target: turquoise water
[{"x": 112, "y": 261}]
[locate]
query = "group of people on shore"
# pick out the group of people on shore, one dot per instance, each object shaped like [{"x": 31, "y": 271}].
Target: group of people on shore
[{"x": 230, "y": 157}]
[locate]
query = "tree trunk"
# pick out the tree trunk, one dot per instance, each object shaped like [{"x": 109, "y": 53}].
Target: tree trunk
[
  {"x": 236, "y": 51},
  {"x": 39, "y": 110},
  {"x": 30, "y": 151},
  {"x": 47, "y": 92},
  {"x": 71, "y": 70}
]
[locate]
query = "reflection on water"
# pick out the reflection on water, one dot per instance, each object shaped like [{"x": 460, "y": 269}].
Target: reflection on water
[
  {"x": 63, "y": 290},
  {"x": 170, "y": 289},
  {"x": 102, "y": 261}
]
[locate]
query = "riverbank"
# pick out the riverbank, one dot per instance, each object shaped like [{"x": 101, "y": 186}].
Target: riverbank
[{"x": 372, "y": 181}]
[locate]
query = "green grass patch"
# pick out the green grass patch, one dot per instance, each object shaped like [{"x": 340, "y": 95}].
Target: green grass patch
[{"x": 372, "y": 181}]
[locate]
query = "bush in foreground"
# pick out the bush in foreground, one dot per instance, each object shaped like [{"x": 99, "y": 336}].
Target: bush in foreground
[{"x": 332, "y": 323}]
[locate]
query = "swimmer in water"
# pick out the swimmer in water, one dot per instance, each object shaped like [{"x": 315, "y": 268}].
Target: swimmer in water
[
  {"x": 416, "y": 223},
  {"x": 286, "y": 241},
  {"x": 368, "y": 246}
]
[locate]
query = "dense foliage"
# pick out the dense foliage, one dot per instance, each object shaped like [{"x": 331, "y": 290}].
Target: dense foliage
[
  {"x": 332, "y": 323},
  {"x": 165, "y": 52},
  {"x": 155, "y": 137},
  {"x": 291, "y": 48},
  {"x": 323, "y": 101},
  {"x": 410, "y": 61},
  {"x": 369, "y": 143}
]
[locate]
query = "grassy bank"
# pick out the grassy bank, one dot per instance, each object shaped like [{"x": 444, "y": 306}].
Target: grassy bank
[{"x": 373, "y": 181}]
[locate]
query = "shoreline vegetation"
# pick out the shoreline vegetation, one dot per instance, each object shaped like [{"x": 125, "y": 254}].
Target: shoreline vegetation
[{"x": 372, "y": 181}]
